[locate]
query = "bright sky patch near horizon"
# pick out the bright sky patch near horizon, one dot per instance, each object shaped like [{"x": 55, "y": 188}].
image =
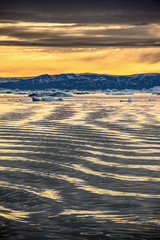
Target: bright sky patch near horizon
[{"x": 117, "y": 37}]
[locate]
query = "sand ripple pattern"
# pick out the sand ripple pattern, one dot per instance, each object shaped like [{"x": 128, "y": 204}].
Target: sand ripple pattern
[{"x": 79, "y": 169}]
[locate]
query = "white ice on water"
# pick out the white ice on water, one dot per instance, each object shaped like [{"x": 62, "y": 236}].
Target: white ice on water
[{"x": 47, "y": 99}]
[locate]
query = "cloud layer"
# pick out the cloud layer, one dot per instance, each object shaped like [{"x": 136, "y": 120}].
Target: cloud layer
[
  {"x": 102, "y": 11},
  {"x": 83, "y": 24},
  {"x": 79, "y": 35},
  {"x": 104, "y": 36}
]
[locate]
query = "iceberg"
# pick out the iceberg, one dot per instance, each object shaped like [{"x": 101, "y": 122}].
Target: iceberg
[
  {"x": 130, "y": 99},
  {"x": 117, "y": 93},
  {"x": 6, "y": 91},
  {"x": 80, "y": 92},
  {"x": 156, "y": 90},
  {"x": 47, "y": 99},
  {"x": 61, "y": 94},
  {"x": 50, "y": 93},
  {"x": 19, "y": 93}
]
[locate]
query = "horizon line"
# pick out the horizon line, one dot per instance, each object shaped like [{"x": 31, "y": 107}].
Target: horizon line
[{"x": 149, "y": 73}]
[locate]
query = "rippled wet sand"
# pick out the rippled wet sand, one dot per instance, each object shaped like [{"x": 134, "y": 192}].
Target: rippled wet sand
[{"x": 84, "y": 168}]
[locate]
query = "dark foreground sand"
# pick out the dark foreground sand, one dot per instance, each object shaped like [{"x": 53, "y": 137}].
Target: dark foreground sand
[{"x": 84, "y": 168}]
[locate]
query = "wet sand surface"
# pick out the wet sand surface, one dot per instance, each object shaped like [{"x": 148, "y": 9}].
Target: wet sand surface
[{"x": 84, "y": 168}]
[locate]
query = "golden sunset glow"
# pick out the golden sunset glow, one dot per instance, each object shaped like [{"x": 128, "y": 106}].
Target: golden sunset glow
[{"x": 31, "y": 61}]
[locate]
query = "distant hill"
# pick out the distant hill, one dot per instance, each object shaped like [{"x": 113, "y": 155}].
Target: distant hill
[{"x": 85, "y": 81}]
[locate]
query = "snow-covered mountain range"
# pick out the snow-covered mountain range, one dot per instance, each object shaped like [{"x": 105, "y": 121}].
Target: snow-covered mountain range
[{"x": 85, "y": 81}]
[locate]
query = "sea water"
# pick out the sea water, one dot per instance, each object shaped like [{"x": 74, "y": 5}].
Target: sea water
[{"x": 84, "y": 168}]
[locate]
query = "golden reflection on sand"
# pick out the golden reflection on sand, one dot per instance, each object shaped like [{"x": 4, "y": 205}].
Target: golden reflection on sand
[
  {"x": 109, "y": 215},
  {"x": 82, "y": 212},
  {"x": 85, "y": 113},
  {"x": 47, "y": 193},
  {"x": 148, "y": 149},
  {"x": 50, "y": 193},
  {"x": 40, "y": 113},
  {"x": 11, "y": 214},
  {"x": 136, "y": 118},
  {"x": 113, "y": 164},
  {"x": 129, "y": 115},
  {"x": 102, "y": 215},
  {"x": 7, "y": 108},
  {"x": 81, "y": 184},
  {"x": 80, "y": 167},
  {"x": 122, "y": 156}
]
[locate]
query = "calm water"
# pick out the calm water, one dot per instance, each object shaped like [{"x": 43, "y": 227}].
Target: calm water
[{"x": 85, "y": 168}]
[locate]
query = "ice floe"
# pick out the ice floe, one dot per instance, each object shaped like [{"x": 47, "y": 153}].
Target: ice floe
[
  {"x": 47, "y": 99},
  {"x": 130, "y": 99},
  {"x": 81, "y": 92},
  {"x": 51, "y": 94}
]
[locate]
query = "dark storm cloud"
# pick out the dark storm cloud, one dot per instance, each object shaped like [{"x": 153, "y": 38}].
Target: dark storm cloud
[
  {"x": 100, "y": 23},
  {"x": 59, "y": 42},
  {"x": 150, "y": 58},
  {"x": 75, "y": 35},
  {"x": 107, "y": 11},
  {"x": 22, "y": 33}
]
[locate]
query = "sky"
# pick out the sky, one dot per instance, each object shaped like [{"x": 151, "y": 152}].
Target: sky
[{"x": 118, "y": 37}]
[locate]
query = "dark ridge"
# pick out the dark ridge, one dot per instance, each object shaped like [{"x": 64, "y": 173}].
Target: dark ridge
[{"x": 84, "y": 81}]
